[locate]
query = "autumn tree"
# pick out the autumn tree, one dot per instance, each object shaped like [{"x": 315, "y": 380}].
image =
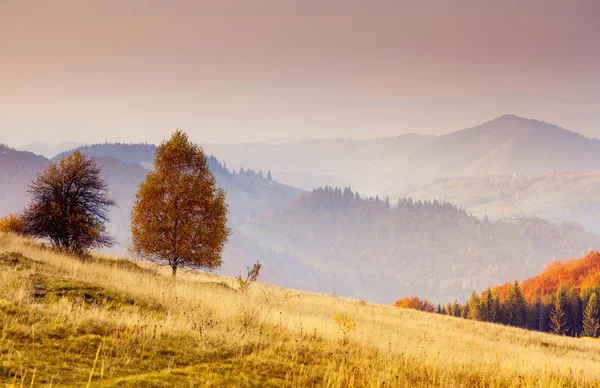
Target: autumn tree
[
  {"x": 591, "y": 317},
  {"x": 70, "y": 205},
  {"x": 179, "y": 217}
]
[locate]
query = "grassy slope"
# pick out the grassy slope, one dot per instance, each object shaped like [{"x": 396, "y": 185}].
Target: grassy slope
[{"x": 57, "y": 313}]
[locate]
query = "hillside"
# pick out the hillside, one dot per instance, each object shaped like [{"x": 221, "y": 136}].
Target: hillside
[
  {"x": 116, "y": 322},
  {"x": 553, "y": 196},
  {"x": 365, "y": 247},
  {"x": 506, "y": 145}
]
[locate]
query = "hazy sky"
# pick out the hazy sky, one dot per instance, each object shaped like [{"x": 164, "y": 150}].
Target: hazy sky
[{"x": 252, "y": 70}]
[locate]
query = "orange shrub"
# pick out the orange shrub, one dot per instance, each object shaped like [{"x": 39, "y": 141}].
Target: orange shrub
[
  {"x": 13, "y": 224},
  {"x": 415, "y": 303}
]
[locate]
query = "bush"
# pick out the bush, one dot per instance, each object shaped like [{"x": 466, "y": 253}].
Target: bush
[{"x": 13, "y": 223}]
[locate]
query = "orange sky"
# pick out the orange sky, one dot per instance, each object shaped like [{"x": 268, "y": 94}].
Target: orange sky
[{"x": 230, "y": 71}]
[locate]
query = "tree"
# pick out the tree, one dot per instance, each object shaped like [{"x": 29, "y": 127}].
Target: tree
[
  {"x": 558, "y": 315},
  {"x": 456, "y": 309},
  {"x": 70, "y": 205},
  {"x": 269, "y": 176},
  {"x": 475, "y": 311},
  {"x": 591, "y": 317},
  {"x": 515, "y": 307},
  {"x": 574, "y": 312},
  {"x": 179, "y": 217}
]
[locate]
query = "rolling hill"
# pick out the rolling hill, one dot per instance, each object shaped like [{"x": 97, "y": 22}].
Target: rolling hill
[{"x": 113, "y": 322}]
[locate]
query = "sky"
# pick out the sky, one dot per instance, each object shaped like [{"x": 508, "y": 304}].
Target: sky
[{"x": 270, "y": 70}]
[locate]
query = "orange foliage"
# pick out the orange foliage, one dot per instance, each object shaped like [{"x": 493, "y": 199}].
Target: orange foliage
[
  {"x": 415, "y": 303},
  {"x": 13, "y": 224},
  {"x": 578, "y": 273}
]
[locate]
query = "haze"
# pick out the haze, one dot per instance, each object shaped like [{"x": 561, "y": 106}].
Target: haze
[{"x": 261, "y": 70}]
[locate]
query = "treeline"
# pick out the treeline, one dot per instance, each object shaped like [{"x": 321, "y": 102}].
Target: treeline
[
  {"x": 254, "y": 173},
  {"x": 559, "y": 305}
]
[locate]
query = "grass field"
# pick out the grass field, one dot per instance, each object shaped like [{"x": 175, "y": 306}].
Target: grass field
[{"x": 114, "y": 322}]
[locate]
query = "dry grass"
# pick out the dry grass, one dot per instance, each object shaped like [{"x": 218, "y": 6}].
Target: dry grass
[{"x": 64, "y": 322}]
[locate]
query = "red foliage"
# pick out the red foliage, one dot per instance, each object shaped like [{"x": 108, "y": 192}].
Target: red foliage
[
  {"x": 415, "y": 303},
  {"x": 578, "y": 273}
]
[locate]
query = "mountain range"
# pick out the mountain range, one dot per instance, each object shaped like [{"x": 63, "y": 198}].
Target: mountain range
[
  {"x": 506, "y": 145},
  {"x": 508, "y": 173}
]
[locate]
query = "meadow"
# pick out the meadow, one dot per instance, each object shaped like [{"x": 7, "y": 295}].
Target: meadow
[{"x": 109, "y": 321}]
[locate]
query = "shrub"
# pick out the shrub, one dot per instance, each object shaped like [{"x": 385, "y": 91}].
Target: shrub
[{"x": 13, "y": 223}]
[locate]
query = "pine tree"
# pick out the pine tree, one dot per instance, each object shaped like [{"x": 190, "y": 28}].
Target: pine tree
[
  {"x": 533, "y": 314},
  {"x": 520, "y": 306},
  {"x": 591, "y": 317},
  {"x": 269, "y": 176},
  {"x": 575, "y": 313},
  {"x": 456, "y": 309},
  {"x": 493, "y": 307},
  {"x": 558, "y": 315},
  {"x": 440, "y": 309},
  {"x": 466, "y": 311}
]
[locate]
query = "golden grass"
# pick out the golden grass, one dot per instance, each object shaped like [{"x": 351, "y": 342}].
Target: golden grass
[{"x": 113, "y": 322}]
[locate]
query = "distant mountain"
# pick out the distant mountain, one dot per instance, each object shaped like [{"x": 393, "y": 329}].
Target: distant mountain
[
  {"x": 333, "y": 240},
  {"x": 17, "y": 169},
  {"x": 312, "y": 163},
  {"x": 48, "y": 150},
  {"x": 553, "y": 196},
  {"x": 506, "y": 145}
]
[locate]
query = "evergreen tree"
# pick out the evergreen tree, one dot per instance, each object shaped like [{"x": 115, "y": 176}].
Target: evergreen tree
[
  {"x": 494, "y": 313},
  {"x": 533, "y": 314},
  {"x": 449, "y": 309},
  {"x": 558, "y": 315},
  {"x": 485, "y": 306},
  {"x": 515, "y": 307},
  {"x": 466, "y": 311},
  {"x": 269, "y": 176},
  {"x": 440, "y": 309},
  {"x": 242, "y": 172},
  {"x": 575, "y": 313},
  {"x": 544, "y": 315},
  {"x": 591, "y": 317},
  {"x": 456, "y": 309}
]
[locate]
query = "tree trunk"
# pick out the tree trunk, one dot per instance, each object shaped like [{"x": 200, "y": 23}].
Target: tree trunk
[{"x": 174, "y": 274}]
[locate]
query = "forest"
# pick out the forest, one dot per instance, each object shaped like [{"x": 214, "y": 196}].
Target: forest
[
  {"x": 563, "y": 300},
  {"x": 430, "y": 246}
]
